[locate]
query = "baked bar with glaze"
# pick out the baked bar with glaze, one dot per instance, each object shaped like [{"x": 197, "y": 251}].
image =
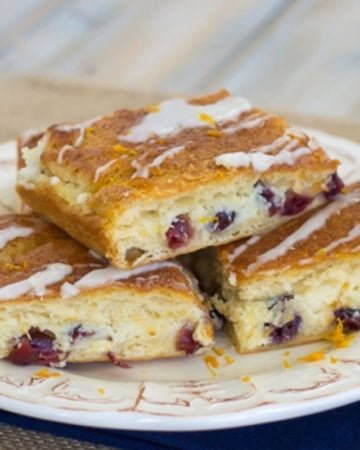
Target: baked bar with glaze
[
  {"x": 146, "y": 185},
  {"x": 60, "y": 302},
  {"x": 291, "y": 285}
]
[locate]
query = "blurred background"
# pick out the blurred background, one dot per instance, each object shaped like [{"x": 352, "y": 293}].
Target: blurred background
[{"x": 298, "y": 55}]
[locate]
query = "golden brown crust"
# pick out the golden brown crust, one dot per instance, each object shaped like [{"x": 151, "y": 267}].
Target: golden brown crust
[
  {"x": 192, "y": 166},
  {"x": 23, "y": 257},
  {"x": 303, "y": 253},
  {"x": 73, "y": 155}
]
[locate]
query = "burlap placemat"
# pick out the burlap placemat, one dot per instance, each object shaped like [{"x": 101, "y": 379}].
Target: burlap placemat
[{"x": 33, "y": 103}]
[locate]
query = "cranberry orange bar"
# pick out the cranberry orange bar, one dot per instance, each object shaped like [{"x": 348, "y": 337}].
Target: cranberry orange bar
[
  {"x": 61, "y": 302},
  {"x": 149, "y": 184}
]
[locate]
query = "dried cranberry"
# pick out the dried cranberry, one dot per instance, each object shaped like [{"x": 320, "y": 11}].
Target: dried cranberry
[
  {"x": 334, "y": 186},
  {"x": 78, "y": 332},
  {"x": 23, "y": 353},
  {"x": 270, "y": 197},
  {"x": 185, "y": 341},
  {"x": 180, "y": 232},
  {"x": 117, "y": 361},
  {"x": 36, "y": 348},
  {"x": 294, "y": 203},
  {"x": 286, "y": 332},
  {"x": 350, "y": 318},
  {"x": 223, "y": 220}
]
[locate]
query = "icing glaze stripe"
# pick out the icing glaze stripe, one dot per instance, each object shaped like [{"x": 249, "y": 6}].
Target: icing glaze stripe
[
  {"x": 102, "y": 169},
  {"x": 260, "y": 162},
  {"x": 143, "y": 171},
  {"x": 36, "y": 284},
  {"x": 238, "y": 250},
  {"x": 313, "y": 224},
  {"x": 10, "y": 233},
  {"x": 172, "y": 116},
  {"x": 100, "y": 277}
]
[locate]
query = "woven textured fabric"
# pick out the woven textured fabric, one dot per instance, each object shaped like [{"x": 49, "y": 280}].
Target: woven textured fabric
[{"x": 17, "y": 438}]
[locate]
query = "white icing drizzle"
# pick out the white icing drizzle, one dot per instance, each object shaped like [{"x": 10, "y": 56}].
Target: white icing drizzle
[
  {"x": 353, "y": 233},
  {"x": 259, "y": 158},
  {"x": 176, "y": 115},
  {"x": 68, "y": 290},
  {"x": 27, "y": 135},
  {"x": 36, "y": 283},
  {"x": 63, "y": 149},
  {"x": 102, "y": 169},
  {"x": 143, "y": 171},
  {"x": 32, "y": 157},
  {"x": 54, "y": 181},
  {"x": 100, "y": 277},
  {"x": 79, "y": 126},
  {"x": 313, "y": 224},
  {"x": 80, "y": 138},
  {"x": 251, "y": 122},
  {"x": 260, "y": 162},
  {"x": 232, "y": 256},
  {"x": 14, "y": 231},
  {"x": 81, "y": 198}
]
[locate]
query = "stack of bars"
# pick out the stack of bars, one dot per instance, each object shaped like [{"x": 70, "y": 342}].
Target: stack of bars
[{"x": 213, "y": 184}]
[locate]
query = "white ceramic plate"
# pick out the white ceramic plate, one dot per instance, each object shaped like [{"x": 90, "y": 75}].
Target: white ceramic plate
[{"x": 183, "y": 394}]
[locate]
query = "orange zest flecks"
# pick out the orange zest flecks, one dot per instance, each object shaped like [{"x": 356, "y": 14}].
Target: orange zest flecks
[
  {"x": 214, "y": 133},
  {"x": 210, "y": 219},
  {"x": 45, "y": 373},
  {"x": 211, "y": 360},
  {"x": 286, "y": 364},
  {"x": 312, "y": 357},
  {"x": 338, "y": 338},
  {"x": 229, "y": 360},
  {"x": 101, "y": 391},
  {"x": 124, "y": 150},
  {"x": 333, "y": 360},
  {"x": 287, "y": 353},
  {"x": 218, "y": 350},
  {"x": 206, "y": 118},
  {"x": 212, "y": 363},
  {"x": 155, "y": 108},
  {"x": 90, "y": 129},
  {"x": 246, "y": 379},
  {"x": 11, "y": 266}
]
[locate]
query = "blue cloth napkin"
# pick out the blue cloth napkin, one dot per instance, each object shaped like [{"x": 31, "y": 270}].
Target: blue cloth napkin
[{"x": 338, "y": 429}]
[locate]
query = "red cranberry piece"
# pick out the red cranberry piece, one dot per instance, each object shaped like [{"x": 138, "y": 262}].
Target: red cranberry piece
[
  {"x": 270, "y": 197},
  {"x": 180, "y": 232},
  {"x": 185, "y": 341},
  {"x": 22, "y": 353},
  {"x": 78, "y": 332},
  {"x": 294, "y": 203},
  {"x": 37, "y": 348},
  {"x": 223, "y": 220},
  {"x": 334, "y": 186},
  {"x": 286, "y": 332},
  {"x": 117, "y": 361},
  {"x": 350, "y": 317}
]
